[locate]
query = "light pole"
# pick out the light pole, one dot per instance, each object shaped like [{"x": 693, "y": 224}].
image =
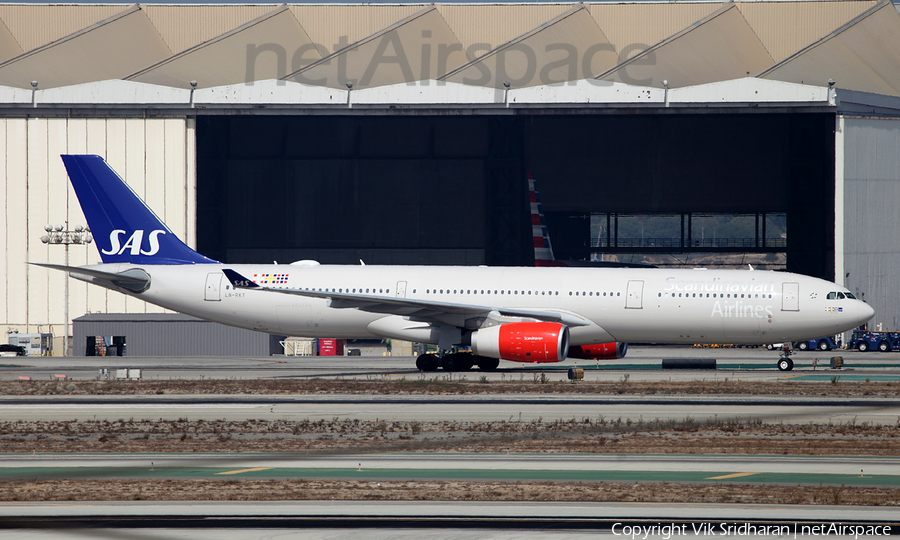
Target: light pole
[{"x": 58, "y": 234}]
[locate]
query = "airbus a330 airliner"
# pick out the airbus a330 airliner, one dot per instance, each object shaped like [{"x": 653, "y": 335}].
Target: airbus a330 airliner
[{"x": 521, "y": 314}]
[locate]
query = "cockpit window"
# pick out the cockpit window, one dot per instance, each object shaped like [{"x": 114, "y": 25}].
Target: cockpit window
[
  {"x": 831, "y": 296},
  {"x": 840, "y": 296},
  {"x": 850, "y": 296}
]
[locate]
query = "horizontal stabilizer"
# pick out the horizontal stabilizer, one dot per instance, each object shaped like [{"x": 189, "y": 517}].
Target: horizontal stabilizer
[{"x": 134, "y": 279}]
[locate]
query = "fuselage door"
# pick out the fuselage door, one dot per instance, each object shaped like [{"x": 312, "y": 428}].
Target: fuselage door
[
  {"x": 790, "y": 297},
  {"x": 634, "y": 295},
  {"x": 401, "y": 289},
  {"x": 214, "y": 286}
]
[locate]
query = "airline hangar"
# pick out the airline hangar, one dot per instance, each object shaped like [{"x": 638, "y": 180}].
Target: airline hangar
[{"x": 403, "y": 133}]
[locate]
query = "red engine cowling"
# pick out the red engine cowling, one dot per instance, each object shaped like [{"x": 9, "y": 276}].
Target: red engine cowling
[
  {"x": 599, "y": 351},
  {"x": 537, "y": 342}
]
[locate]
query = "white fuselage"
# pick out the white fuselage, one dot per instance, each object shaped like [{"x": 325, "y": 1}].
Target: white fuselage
[{"x": 625, "y": 305}]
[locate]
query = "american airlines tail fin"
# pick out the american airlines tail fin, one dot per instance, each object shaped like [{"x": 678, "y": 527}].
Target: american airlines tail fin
[
  {"x": 123, "y": 226},
  {"x": 543, "y": 251}
]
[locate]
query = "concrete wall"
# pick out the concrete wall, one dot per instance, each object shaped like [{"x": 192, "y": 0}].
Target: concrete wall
[
  {"x": 155, "y": 156},
  {"x": 868, "y": 218}
]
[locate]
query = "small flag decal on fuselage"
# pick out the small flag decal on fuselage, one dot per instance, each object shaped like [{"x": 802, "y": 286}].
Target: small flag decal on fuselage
[
  {"x": 831, "y": 309},
  {"x": 270, "y": 279}
]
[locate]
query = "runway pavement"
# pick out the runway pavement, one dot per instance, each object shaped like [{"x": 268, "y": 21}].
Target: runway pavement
[
  {"x": 791, "y": 470},
  {"x": 466, "y": 407},
  {"x": 642, "y": 363},
  {"x": 438, "y": 520}
]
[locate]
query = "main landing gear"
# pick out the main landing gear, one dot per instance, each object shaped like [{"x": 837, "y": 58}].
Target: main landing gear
[
  {"x": 785, "y": 363},
  {"x": 455, "y": 362}
]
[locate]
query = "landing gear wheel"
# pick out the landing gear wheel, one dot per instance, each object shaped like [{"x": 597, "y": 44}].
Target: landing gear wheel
[
  {"x": 487, "y": 364},
  {"x": 785, "y": 364},
  {"x": 803, "y": 345},
  {"x": 823, "y": 346},
  {"x": 457, "y": 362},
  {"x": 427, "y": 362}
]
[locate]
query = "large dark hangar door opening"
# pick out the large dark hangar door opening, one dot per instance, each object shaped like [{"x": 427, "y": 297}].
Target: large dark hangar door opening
[
  {"x": 688, "y": 163},
  {"x": 452, "y": 189},
  {"x": 384, "y": 189}
]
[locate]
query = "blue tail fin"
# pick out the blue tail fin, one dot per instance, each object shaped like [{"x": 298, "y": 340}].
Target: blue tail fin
[{"x": 125, "y": 229}]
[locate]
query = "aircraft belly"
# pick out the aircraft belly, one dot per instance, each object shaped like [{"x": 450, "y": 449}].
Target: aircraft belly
[
  {"x": 586, "y": 335},
  {"x": 670, "y": 323}
]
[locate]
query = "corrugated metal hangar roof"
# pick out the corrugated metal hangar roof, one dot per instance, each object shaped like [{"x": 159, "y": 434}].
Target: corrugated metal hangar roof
[{"x": 317, "y": 52}]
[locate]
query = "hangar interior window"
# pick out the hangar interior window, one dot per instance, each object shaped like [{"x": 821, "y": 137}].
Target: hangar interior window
[{"x": 691, "y": 239}]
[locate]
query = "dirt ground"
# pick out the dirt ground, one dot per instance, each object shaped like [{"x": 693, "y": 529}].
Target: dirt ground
[
  {"x": 449, "y": 384},
  {"x": 354, "y": 436},
  {"x": 338, "y": 490},
  {"x": 585, "y": 435}
]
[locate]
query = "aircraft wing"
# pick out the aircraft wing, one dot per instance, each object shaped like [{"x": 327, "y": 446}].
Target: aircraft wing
[{"x": 409, "y": 306}]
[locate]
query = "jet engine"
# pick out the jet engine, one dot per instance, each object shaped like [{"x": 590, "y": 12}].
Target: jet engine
[
  {"x": 538, "y": 342},
  {"x": 599, "y": 351}
]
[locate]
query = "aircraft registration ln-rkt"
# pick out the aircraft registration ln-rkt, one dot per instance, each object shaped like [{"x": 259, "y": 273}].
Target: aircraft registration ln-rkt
[{"x": 522, "y": 314}]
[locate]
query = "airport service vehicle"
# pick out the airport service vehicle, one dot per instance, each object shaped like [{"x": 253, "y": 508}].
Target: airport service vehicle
[
  {"x": 863, "y": 340},
  {"x": 12, "y": 350},
  {"x": 525, "y": 314},
  {"x": 823, "y": 344}
]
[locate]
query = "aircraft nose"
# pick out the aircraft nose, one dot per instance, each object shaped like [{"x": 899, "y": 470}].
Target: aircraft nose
[{"x": 864, "y": 312}]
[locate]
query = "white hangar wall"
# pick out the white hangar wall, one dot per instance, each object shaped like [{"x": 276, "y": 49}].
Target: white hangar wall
[
  {"x": 867, "y": 220},
  {"x": 156, "y": 156}
]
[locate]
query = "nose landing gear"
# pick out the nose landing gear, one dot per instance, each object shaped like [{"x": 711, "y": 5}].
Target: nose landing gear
[{"x": 785, "y": 363}]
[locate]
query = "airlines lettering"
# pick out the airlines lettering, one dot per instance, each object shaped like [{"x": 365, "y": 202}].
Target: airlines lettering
[
  {"x": 717, "y": 285},
  {"x": 741, "y": 310},
  {"x": 133, "y": 243}
]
